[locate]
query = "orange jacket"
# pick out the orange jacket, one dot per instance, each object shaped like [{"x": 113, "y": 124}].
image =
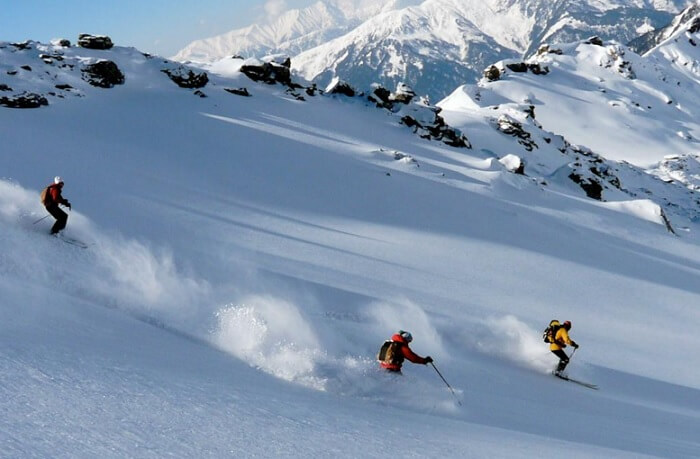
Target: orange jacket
[
  {"x": 406, "y": 353},
  {"x": 55, "y": 195},
  {"x": 561, "y": 339}
]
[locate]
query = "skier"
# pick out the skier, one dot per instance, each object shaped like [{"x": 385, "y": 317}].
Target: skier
[
  {"x": 560, "y": 341},
  {"x": 394, "y": 351},
  {"x": 51, "y": 197}
]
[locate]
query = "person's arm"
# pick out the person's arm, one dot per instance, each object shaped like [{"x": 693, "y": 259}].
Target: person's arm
[{"x": 413, "y": 357}]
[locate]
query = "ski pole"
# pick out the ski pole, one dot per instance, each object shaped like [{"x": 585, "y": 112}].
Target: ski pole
[
  {"x": 448, "y": 384},
  {"x": 39, "y": 220}
]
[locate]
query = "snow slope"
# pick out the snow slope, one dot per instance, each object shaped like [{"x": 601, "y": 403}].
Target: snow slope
[{"x": 248, "y": 255}]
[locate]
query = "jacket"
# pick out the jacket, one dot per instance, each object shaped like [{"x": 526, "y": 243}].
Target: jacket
[
  {"x": 561, "y": 340},
  {"x": 54, "y": 196},
  {"x": 406, "y": 353}
]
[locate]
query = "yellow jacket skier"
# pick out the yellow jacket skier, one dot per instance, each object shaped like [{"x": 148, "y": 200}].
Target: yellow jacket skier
[{"x": 560, "y": 341}]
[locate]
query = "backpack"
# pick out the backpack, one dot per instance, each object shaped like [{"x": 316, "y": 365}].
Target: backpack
[
  {"x": 45, "y": 196},
  {"x": 551, "y": 331},
  {"x": 390, "y": 352}
]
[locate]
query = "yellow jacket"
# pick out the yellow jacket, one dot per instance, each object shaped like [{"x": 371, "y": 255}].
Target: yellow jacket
[{"x": 561, "y": 339}]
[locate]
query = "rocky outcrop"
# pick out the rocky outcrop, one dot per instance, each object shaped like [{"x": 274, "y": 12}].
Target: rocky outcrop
[
  {"x": 338, "y": 86},
  {"x": 187, "y": 78},
  {"x": 4, "y": 87},
  {"x": 103, "y": 74},
  {"x": 492, "y": 73},
  {"x": 24, "y": 100},
  {"x": 271, "y": 72},
  {"x": 428, "y": 124},
  {"x": 62, "y": 42},
  {"x": 594, "y": 41},
  {"x": 404, "y": 94},
  {"x": 510, "y": 126},
  {"x": 86, "y": 40},
  {"x": 239, "y": 92}
]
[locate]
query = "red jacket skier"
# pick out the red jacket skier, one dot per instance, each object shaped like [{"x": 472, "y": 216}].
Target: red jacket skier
[
  {"x": 397, "y": 350},
  {"x": 51, "y": 198}
]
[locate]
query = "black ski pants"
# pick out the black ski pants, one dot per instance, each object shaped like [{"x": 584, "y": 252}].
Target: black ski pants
[
  {"x": 60, "y": 216},
  {"x": 563, "y": 359}
]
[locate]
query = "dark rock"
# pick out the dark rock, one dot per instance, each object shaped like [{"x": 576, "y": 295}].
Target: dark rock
[
  {"x": 592, "y": 187},
  {"x": 4, "y": 87},
  {"x": 199, "y": 93},
  {"x": 594, "y": 41},
  {"x": 537, "y": 69},
  {"x": 338, "y": 86},
  {"x": 85, "y": 40},
  {"x": 63, "y": 42},
  {"x": 64, "y": 86},
  {"x": 24, "y": 100},
  {"x": 268, "y": 72},
  {"x": 509, "y": 126},
  {"x": 545, "y": 49},
  {"x": 380, "y": 97},
  {"x": 187, "y": 78},
  {"x": 312, "y": 90},
  {"x": 239, "y": 92},
  {"x": 27, "y": 68},
  {"x": 518, "y": 67},
  {"x": 103, "y": 74},
  {"x": 492, "y": 73},
  {"x": 695, "y": 26},
  {"x": 12, "y": 72},
  {"x": 23, "y": 45},
  {"x": 403, "y": 94}
]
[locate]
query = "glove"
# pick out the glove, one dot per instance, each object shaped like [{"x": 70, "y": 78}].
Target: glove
[
  {"x": 574, "y": 345},
  {"x": 68, "y": 205},
  {"x": 428, "y": 360}
]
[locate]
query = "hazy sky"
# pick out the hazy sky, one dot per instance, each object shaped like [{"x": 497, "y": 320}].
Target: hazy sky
[{"x": 160, "y": 27}]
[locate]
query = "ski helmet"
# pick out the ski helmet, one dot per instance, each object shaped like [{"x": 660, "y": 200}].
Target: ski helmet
[
  {"x": 406, "y": 335},
  {"x": 566, "y": 325},
  {"x": 57, "y": 180}
]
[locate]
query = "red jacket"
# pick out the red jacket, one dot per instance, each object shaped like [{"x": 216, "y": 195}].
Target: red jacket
[
  {"x": 55, "y": 195},
  {"x": 406, "y": 353}
]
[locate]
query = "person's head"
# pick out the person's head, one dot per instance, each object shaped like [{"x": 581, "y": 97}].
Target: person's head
[
  {"x": 406, "y": 335},
  {"x": 58, "y": 180},
  {"x": 567, "y": 325}
]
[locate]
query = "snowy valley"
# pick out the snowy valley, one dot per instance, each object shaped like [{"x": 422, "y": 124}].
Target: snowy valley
[{"x": 252, "y": 241}]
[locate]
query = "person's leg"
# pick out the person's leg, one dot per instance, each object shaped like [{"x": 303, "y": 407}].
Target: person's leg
[
  {"x": 563, "y": 359},
  {"x": 60, "y": 216}
]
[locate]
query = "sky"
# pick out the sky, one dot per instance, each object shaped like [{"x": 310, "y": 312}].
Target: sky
[{"x": 161, "y": 27}]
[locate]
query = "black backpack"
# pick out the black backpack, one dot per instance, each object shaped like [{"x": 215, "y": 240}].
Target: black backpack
[{"x": 551, "y": 331}]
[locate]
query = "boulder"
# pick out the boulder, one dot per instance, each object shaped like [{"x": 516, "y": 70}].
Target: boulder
[
  {"x": 492, "y": 73},
  {"x": 4, "y": 87},
  {"x": 24, "y": 100},
  {"x": 380, "y": 96},
  {"x": 85, "y": 40},
  {"x": 103, "y": 74},
  {"x": 239, "y": 92},
  {"x": 594, "y": 41},
  {"x": 186, "y": 78},
  {"x": 62, "y": 42},
  {"x": 21, "y": 46},
  {"x": 513, "y": 164},
  {"x": 510, "y": 126},
  {"x": 592, "y": 187},
  {"x": 268, "y": 72},
  {"x": 518, "y": 67},
  {"x": 338, "y": 86},
  {"x": 546, "y": 49},
  {"x": 403, "y": 94}
]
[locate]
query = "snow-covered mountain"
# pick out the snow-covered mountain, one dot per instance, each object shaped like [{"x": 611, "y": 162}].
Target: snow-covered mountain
[
  {"x": 252, "y": 244},
  {"x": 291, "y": 33},
  {"x": 438, "y": 44}
]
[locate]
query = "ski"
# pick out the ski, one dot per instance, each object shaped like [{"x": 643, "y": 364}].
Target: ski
[
  {"x": 576, "y": 381},
  {"x": 71, "y": 241}
]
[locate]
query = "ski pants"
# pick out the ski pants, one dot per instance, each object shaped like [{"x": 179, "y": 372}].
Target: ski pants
[
  {"x": 60, "y": 216},
  {"x": 563, "y": 359}
]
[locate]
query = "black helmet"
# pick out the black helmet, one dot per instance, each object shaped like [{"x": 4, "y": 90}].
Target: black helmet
[{"x": 406, "y": 335}]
